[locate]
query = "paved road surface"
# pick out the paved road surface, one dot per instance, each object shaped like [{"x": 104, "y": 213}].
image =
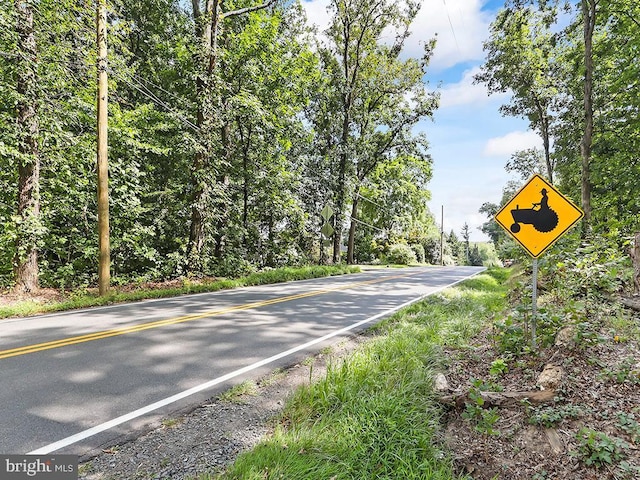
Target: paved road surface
[{"x": 75, "y": 381}]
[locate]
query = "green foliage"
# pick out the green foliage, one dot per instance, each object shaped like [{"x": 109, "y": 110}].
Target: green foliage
[
  {"x": 627, "y": 422},
  {"x": 623, "y": 372},
  {"x": 401, "y": 254},
  {"x": 498, "y": 367},
  {"x": 373, "y": 415},
  {"x": 267, "y": 128},
  {"x": 238, "y": 393},
  {"x": 598, "y": 449},
  {"x": 483, "y": 419},
  {"x": 509, "y": 336},
  {"x": 418, "y": 250},
  {"x": 592, "y": 270},
  {"x": 552, "y": 416}
]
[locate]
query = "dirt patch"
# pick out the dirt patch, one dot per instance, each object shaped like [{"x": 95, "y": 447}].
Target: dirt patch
[
  {"x": 591, "y": 429},
  {"x": 41, "y": 296},
  {"x": 44, "y": 296}
]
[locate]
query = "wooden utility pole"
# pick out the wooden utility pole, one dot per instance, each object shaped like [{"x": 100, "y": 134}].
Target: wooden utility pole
[
  {"x": 104, "y": 261},
  {"x": 442, "y": 237}
]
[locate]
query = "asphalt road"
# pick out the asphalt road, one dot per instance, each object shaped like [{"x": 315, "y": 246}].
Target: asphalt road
[{"x": 73, "y": 382}]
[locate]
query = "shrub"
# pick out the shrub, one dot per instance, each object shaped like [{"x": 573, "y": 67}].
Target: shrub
[
  {"x": 418, "y": 250},
  {"x": 401, "y": 254}
]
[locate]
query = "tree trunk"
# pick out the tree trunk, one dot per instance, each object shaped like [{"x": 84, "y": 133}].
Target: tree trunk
[
  {"x": 341, "y": 193},
  {"x": 352, "y": 229},
  {"x": 205, "y": 26},
  {"x": 635, "y": 256},
  {"x": 589, "y": 19},
  {"x": 26, "y": 260}
]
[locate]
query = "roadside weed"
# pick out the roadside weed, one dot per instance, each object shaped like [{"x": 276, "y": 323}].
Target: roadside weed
[
  {"x": 549, "y": 417},
  {"x": 598, "y": 449},
  {"x": 236, "y": 393},
  {"x": 373, "y": 414},
  {"x": 627, "y": 423}
]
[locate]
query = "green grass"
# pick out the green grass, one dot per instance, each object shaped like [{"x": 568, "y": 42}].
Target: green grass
[
  {"x": 84, "y": 300},
  {"x": 238, "y": 393},
  {"x": 373, "y": 415}
]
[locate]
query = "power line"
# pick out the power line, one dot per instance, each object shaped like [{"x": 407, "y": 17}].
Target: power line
[
  {"x": 369, "y": 200},
  {"x": 367, "y": 224},
  {"x": 446, "y": 8},
  {"x": 151, "y": 96}
]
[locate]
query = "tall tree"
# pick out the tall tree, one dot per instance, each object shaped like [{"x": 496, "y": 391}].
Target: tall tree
[
  {"x": 28, "y": 128},
  {"x": 521, "y": 59},
  {"x": 589, "y": 18},
  {"x": 208, "y": 171},
  {"x": 465, "y": 236},
  {"x": 355, "y": 37},
  {"x": 394, "y": 100}
]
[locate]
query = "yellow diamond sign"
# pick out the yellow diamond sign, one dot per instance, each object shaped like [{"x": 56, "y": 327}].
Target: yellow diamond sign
[{"x": 538, "y": 215}]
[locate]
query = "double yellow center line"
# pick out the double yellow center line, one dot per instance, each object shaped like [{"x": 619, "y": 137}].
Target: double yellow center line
[{"x": 13, "y": 352}]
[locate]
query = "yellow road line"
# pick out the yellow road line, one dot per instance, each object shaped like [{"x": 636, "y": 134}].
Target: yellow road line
[{"x": 13, "y": 352}]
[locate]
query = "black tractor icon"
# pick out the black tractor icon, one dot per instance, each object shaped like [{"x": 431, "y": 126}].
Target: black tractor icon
[{"x": 543, "y": 219}]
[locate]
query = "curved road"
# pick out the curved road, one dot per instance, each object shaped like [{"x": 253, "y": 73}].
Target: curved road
[{"x": 76, "y": 381}]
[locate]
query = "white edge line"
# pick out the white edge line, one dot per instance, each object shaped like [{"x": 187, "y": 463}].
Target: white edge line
[{"x": 65, "y": 442}]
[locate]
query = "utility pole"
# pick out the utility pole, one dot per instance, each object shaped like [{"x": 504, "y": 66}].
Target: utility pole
[
  {"x": 104, "y": 260},
  {"x": 442, "y": 237}
]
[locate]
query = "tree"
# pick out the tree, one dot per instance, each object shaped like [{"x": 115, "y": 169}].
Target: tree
[
  {"x": 527, "y": 163},
  {"x": 457, "y": 247},
  {"x": 393, "y": 207},
  {"x": 358, "y": 59},
  {"x": 589, "y": 18},
  {"x": 270, "y": 72},
  {"x": 465, "y": 236},
  {"x": 521, "y": 59},
  {"x": 209, "y": 22},
  {"x": 603, "y": 170},
  {"x": 28, "y": 132},
  {"x": 475, "y": 257},
  {"x": 396, "y": 102}
]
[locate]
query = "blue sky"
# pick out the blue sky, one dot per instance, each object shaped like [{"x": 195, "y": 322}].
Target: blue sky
[{"x": 470, "y": 142}]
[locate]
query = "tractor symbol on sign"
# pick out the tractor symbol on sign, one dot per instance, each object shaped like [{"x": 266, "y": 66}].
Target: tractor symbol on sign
[{"x": 543, "y": 219}]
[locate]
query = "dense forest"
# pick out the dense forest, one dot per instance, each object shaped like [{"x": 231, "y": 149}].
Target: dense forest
[{"x": 232, "y": 126}]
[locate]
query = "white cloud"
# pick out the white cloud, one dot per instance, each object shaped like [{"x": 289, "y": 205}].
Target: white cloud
[
  {"x": 465, "y": 92},
  {"x": 511, "y": 143},
  {"x": 460, "y": 26},
  {"x": 317, "y": 13}
]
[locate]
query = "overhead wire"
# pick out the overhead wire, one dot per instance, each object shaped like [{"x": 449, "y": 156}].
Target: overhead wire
[
  {"x": 140, "y": 87},
  {"x": 367, "y": 224},
  {"x": 446, "y": 8}
]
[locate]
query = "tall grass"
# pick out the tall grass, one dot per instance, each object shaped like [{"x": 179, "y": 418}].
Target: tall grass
[
  {"x": 373, "y": 415},
  {"x": 85, "y": 299}
]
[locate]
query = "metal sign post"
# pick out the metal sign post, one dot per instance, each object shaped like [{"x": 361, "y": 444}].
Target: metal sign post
[{"x": 534, "y": 299}]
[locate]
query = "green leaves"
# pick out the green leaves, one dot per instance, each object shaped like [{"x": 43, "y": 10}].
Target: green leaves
[{"x": 255, "y": 147}]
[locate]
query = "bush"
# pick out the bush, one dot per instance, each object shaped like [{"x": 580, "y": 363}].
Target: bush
[
  {"x": 401, "y": 254},
  {"x": 418, "y": 250}
]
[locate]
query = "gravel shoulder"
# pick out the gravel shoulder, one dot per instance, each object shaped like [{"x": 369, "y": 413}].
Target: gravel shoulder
[{"x": 212, "y": 435}]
